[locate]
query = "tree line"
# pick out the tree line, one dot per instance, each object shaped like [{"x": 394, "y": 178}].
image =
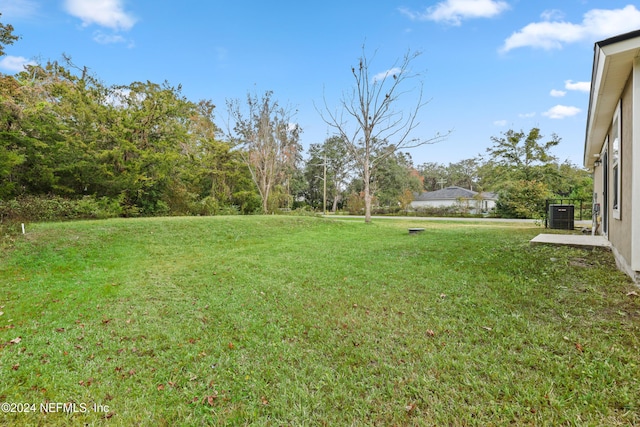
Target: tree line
[
  {"x": 518, "y": 166},
  {"x": 144, "y": 149}
]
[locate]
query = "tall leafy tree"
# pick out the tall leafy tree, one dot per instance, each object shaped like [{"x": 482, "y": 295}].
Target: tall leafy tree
[
  {"x": 9, "y": 116},
  {"x": 340, "y": 164},
  {"x": 369, "y": 119},
  {"x": 464, "y": 173},
  {"x": 520, "y": 167},
  {"x": 33, "y": 131},
  {"x": 577, "y": 182},
  {"x": 315, "y": 172},
  {"x": 7, "y": 37},
  {"x": 143, "y": 144},
  {"x": 269, "y": 143},
  {"x": 394, "y": 179},
  {"x": 522, "y": 155},
  {"x": 217, "y": 173},
  {"x": 435, "y": 175},
  {"x": 333, "y": 155}
]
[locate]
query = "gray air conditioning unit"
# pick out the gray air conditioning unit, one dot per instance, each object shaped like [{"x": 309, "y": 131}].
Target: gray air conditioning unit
[{"x": 561, "y": 217}]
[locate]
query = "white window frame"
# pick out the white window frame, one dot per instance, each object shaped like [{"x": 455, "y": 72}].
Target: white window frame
[{"x": 616, "y": 171}]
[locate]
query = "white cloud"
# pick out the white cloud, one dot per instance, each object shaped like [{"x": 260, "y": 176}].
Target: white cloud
[
  {"x": 603, "y": 23},
  {"x": 12, "y": 9},
  {"x": 561, "y": 111},
  {"x": 105, "y": 13},
  {"x": 15, "y": 63},
  {"x": 526, "y": 115},
  {"x": 551, "y": 15},
  {"x": 545, "y": 35},
  {"x": 557, "y": 93},
  {"x": 501, "y": 123},
  {"x": 597, "y": 24},
  {"x": 579, "y": 86},
  {"x": 108, "y": 38},
  {"x": 454, "y": 11},
  {"x": 383, "y": 75}
]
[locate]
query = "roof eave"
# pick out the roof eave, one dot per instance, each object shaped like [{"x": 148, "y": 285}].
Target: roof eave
[{"x": 613, "y": 58}]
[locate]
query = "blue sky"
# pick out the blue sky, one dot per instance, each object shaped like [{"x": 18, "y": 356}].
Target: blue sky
[{"x": 487, "y": 65}]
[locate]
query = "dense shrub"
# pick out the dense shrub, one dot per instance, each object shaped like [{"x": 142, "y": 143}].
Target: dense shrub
[
  {"x": 247, "y": 202},
  {"x": 56, "y": 208},
  {"x": 438, "y": 211},
  {"x": 523, "y": 199},
  {"x": 387, "y": 210}
]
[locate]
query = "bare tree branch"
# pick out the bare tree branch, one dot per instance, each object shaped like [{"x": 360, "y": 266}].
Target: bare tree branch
[
  {"x": 368, "y": 121},
  {"x": 268, "y": 140}
]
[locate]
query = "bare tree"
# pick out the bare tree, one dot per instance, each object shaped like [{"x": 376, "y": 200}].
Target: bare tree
[
  {"x": 368, "y": 121},
  {"x": 268, "y": 139}
]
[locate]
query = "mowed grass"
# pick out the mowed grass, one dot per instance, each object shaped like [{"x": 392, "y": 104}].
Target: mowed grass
[{"x": 307, "y": 321}]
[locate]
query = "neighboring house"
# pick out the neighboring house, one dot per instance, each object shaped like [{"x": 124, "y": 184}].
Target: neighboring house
[
  {"x": 612, "y": 146},
  {"x": 457, "y": 197}
]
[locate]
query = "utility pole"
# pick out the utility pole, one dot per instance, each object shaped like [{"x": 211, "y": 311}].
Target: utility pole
[{"x": 324, "y": 181}]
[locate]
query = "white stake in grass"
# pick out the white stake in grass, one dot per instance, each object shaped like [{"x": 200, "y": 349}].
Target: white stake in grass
[{"x": 23, "y": 228}]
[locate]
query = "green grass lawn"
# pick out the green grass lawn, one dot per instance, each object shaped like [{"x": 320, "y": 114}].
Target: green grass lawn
[{"x": 309, "y": 321}]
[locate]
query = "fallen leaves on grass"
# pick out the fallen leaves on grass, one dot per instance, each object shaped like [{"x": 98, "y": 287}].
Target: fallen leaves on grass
[
  {"x": 211, "y": 398},
  {"x": 15, "y": 340},
  {"x": 86, "y": 383},
  {"x": 579, "y": 347}
]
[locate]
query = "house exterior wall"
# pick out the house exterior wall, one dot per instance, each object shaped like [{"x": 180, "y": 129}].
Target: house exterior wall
[
  {"x": 615, "y": 98},
  {"x": 634, "y": 166},
  {"x": 619, "y": 235},
  {"x": 623, "y": 230}
]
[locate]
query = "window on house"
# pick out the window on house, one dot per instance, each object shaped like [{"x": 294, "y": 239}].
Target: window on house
[{"x": 616, "y": 175}]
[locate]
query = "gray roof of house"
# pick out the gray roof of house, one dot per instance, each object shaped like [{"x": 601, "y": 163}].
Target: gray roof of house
[{"x": 451, "y": 193}]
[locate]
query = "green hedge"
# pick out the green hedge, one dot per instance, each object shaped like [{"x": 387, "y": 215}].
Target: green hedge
[{"x": 56, "y": 208}]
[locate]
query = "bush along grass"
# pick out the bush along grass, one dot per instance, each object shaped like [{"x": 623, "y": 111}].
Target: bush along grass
[
  {"x": 307, "y": 321},
  {"x": 55, "y": 208}
]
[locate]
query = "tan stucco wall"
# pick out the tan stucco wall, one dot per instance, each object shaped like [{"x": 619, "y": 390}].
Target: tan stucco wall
[{"x": 619, "y": 234}]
